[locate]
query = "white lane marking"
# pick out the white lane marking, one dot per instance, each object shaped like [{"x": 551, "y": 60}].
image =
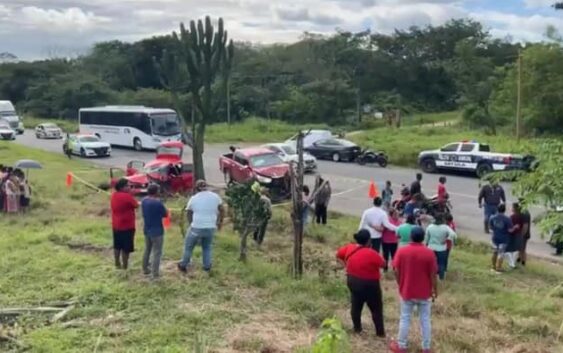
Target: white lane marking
[{"x": 348, "y": 191}]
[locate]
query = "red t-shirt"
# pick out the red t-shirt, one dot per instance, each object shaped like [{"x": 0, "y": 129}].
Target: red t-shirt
[
  {"x": 442, "y": 193},
  {"x": 361, "y": 262},
  {"x": 417, "y": 266},
  {"x": 123, "y": 207}
]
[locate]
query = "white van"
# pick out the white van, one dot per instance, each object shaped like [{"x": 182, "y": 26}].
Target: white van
[
  {"x": 9, "y": 115},
  {"x": 310, "y": 137}
]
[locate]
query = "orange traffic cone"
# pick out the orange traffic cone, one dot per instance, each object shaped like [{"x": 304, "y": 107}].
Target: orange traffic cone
[
  {"x": 373, "y": 192},
  {"x": 166, "y": 222},
  {"x": 68, "y": 179}
]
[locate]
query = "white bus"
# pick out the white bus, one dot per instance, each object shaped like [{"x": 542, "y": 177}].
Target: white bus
[{"x": 131, "y": 126}]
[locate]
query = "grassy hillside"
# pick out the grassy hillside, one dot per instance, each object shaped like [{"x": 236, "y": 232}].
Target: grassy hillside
[{"x": 60, "y": 251}]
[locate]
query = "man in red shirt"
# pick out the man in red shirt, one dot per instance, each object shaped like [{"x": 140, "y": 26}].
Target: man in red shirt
[
  {"x": 415, "y": 269},
  {"x": 123, "y": 206},
  {"x": 363, "y": 268}
]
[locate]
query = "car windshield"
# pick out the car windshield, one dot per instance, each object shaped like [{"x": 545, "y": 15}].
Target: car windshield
[
  {"x": 265, "y": 160},
  {"x": 50, "y": 126},
  {"x": 288, "y": 149},
  {"x": 161, "y": 169},
  {"x": 89, "y": 139},
  {"x": 176, "y": 151},
  {"x": 8, "y": 113},
  {"x": 165, "y": 124}
]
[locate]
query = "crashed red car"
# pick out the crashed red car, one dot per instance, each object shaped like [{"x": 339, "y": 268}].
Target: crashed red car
[
  {"x": 258, "y": 164},
  {"x": 167, "y": 170}
]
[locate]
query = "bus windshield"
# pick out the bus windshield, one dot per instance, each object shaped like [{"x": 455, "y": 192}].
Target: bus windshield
[{"x": 165, "y": 124}]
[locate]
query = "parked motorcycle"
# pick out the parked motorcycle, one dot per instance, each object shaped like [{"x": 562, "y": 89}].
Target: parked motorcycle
[{"x": 371, "y": 157}]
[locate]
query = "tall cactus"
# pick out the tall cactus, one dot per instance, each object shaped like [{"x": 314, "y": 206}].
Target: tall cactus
[{"x": 199, "y": 57}]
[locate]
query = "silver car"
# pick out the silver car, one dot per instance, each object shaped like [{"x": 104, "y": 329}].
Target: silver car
[
  {"x": 48, "y": 131},
  {"x": 6, "y": 132}
]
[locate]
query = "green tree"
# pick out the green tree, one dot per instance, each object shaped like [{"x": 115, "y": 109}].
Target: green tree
[
  {"x": 247, "y": 212},
  {"x": 198, "y": 58},
  {"x": 542, "y": 84}
]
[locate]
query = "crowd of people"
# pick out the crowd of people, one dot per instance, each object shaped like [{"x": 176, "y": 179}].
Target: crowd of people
[
  {"x": 417, "y": 246},
  {"x": 414, "y": 244},
  {"x": 15, "y": 192}
]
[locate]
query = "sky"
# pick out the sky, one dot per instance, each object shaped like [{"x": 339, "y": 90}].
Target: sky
[{"x": 35, "y": 29}]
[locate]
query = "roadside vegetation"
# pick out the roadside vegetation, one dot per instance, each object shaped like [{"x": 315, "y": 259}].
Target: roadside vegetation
[{"x": 48, "y": 256}]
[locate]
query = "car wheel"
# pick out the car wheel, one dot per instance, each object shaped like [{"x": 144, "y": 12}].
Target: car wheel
[
  {"x": 336, "y": 157},
  {"x": 137, "y": 144},
  {"x": 483, "y": 169},
  {"x": 428, "y": 165},
  {"x": 38, "y": 136},
  {"x": 82, "y": 152}
]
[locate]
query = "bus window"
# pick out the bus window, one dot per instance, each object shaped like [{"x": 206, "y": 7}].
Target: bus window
[{"x": 165, "y": 124}]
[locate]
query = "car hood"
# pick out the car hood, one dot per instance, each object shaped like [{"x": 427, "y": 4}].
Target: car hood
[
  {"x": 138, "y": 179},
  {"x": 276, "y": 171},
  {"x": 53, "y": 129},
  {"x": 6, "y": 130},
  {"x": 94, "y": 144}
]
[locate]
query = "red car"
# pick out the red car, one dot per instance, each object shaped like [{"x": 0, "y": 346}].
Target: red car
[
  {"x": 167, "y": 170},
  {"x": 258, "y": 164}
]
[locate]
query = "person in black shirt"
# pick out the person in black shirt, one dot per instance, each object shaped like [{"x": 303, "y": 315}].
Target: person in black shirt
[
  {"x": 493, "y": 196},
  {"x": 416, "y": 187},
  {"x": 526, "y": 224}
]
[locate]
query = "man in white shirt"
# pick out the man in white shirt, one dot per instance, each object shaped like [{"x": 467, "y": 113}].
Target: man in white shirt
[
  {"x": 205, "y": 215},
  {"x": 375, "y": 220}
]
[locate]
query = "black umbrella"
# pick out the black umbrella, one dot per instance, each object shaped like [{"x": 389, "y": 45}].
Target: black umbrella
[{"x": 28, "y": 164}]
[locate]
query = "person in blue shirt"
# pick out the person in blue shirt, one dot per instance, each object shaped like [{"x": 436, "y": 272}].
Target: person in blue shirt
[
  {"x": 501, "y": 225},
  {"x": 153, "y": 213}
]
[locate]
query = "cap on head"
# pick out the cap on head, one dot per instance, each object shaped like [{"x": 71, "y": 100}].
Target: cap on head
[
  {"x": 362, "y": 237},
  {"x": 417, "y": 234}
]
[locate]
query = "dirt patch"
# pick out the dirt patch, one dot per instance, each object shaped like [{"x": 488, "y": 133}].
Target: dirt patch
[
  {"x": 77, "y": 245},
  {"x": 269, "y": 332}
]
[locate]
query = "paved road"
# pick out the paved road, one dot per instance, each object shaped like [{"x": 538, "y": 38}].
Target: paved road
[{"x": 350, "y": 184}]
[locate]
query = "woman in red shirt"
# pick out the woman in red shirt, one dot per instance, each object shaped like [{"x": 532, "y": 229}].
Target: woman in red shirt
[
  {"x": 123, "y": 206},
  {"x": 363, "y": 268}
]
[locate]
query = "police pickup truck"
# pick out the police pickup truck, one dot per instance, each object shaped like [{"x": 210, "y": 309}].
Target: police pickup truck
[{"x": 471, "y": 156}]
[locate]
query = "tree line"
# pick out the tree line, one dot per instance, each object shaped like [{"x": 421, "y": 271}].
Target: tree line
[{"x": 337, "y": 79}]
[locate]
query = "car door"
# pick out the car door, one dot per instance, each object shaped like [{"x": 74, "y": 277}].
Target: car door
[
  {"x": 186, "y": 178},
  {"x": 242, "y": 171},
  {"x": 38, "y": 130},
  {"x": 317, "y": 149},
  {"x": 465, "y": 158},
  {"x": 447, "y": 156}
]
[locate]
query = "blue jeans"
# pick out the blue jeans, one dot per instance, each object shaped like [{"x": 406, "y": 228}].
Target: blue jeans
[
  {"x": 193, "y": 237},
  {"x": 442, "y": 260},
  {"x": 424, "y": 312},
  {"x": 490, "y": 210}
]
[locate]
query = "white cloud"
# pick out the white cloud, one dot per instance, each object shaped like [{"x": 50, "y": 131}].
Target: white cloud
[
  {"x": 530, "y": 28},
  {"x": 533, "y": 4},
  {"x": 72, "y": 18},
  {"x": 28, "y": 26}
]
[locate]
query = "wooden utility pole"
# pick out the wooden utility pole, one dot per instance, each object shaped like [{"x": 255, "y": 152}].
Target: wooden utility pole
[
  {"x": 296, "y": 174},
  {"x": 519, "y": 97}
]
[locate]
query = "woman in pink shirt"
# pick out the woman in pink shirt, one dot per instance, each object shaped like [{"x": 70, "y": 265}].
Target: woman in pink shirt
[{"x": 389, "y": 238}]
